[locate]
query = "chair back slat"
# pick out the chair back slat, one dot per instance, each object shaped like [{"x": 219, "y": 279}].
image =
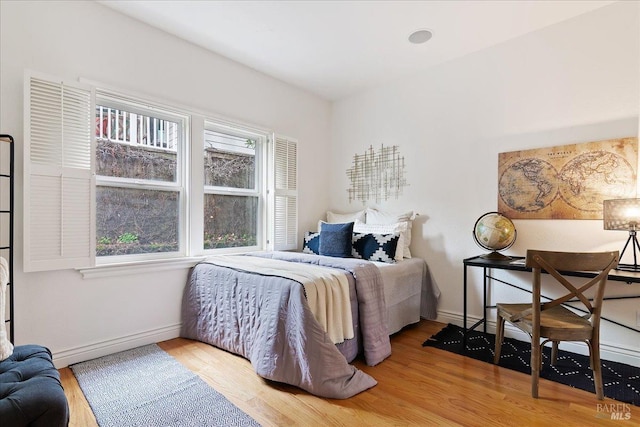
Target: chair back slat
[
  {"x": 555, "y": 263},
  {"x": 573, "y": 261}
]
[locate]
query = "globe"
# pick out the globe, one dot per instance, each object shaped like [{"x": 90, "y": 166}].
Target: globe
[{"x": 495, "y": 232}]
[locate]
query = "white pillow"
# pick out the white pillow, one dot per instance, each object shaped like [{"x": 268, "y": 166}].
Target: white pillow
[
  {"x": 380, "y": 217},
  {"x": 399, "y": 227},
  {"x": 338, "y": 218},
  {"x": 333, "y": 217},
  {"x": 6, "y": 348}
]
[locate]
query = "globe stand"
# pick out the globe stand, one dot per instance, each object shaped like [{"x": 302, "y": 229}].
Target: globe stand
[{"x": 496, "y": 256}]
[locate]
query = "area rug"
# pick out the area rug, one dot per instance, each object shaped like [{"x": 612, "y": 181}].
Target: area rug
[
  {"x": 621, "y": 381},
  {"x": 145, "y": 386}
]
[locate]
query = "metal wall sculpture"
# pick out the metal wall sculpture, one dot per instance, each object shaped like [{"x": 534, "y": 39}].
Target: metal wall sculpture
[{"x": 377, "y": 175}]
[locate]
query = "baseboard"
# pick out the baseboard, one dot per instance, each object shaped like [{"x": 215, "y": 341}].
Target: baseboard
[
  {"x": 611, "y": 352},
  {"x": 64, "y": 358}
]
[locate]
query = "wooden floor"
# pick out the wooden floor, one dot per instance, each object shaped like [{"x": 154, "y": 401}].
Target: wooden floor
[{"x": 417, "y": 386}]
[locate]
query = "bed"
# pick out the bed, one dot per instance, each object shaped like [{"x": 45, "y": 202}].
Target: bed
[{"x": 264, "y": 316}]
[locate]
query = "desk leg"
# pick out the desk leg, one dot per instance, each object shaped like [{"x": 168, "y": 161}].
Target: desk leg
[
  {"x": 464, "y": 303},
  {"x": 466, "y": 329},
  {"x": 464, "y": 310},
  {"x": 484, "y": 300}
]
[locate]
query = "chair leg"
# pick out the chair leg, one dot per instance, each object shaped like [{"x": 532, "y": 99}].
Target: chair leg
[
  {"x": 554, "y": 352},
  {"x": 596, "y": 366},
  {"x": 499, "y": 338},
  {"x": 535, "y": 367}
]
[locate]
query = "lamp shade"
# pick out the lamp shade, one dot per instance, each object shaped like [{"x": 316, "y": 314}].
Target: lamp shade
[{"x": 621, "y": 214}]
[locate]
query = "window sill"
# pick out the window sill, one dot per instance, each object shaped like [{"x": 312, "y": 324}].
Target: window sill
[{"x": 125, "y": 269}]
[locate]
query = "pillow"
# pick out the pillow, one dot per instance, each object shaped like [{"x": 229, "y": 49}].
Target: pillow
[
  {"x": 335, "y": 239},
  {"x": 380, "y": 217},
  {"x": 6, "y": 348},
  {"x": 334, "y": 217},
  {"x": 375, "y": 247},
  {"x": 311, "y": 244},
  {"x": 399, "y": 227}
]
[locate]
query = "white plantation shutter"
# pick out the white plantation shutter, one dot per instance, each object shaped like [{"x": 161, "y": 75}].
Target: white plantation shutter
[
  {"x": 59, "y": 192},
  {"x": 286, "y": 194}
]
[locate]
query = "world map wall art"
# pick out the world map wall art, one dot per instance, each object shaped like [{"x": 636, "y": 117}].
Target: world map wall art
[{"x": 566, "y": 182}]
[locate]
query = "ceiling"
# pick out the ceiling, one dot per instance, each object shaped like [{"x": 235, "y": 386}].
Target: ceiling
[{"x": 337, "y": 48}]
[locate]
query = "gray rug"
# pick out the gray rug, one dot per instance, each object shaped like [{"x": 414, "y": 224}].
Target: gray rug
[{"x": 147, "y": 387}]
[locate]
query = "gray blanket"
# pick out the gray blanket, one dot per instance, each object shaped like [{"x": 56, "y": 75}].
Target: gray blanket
[
  {"x": 372, "y": 308},
  {"x": 266, "y": 319}
]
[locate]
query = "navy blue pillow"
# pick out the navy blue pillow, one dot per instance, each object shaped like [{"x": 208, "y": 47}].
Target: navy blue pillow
[
  {"x": 335, "y": 239},
  {"x": 311, "y": 244},
  {"x": 375, "y": 247}
]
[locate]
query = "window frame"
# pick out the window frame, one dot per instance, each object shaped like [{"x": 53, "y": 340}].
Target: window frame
[
  {"x": 262, "y": 138},
  {"x": 143, "y": 107}
]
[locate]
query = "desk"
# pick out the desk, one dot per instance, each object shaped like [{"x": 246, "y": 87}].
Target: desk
[{"x": 516, "y": 264}]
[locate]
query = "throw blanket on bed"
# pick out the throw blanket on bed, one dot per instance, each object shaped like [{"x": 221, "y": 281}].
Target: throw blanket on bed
[
  {"x": 326, "y": 289},
  {"x": 370, "y": 293}
]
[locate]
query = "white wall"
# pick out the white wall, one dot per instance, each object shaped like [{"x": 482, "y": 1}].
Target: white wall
[
  {"x": 83, "y": 318},
  {"x": 573, "y": 82}
]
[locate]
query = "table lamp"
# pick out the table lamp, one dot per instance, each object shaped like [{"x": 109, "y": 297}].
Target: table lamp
[{"x": 624, "y": 214}]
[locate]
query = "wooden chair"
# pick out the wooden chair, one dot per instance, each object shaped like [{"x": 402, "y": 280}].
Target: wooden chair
[{"x": 552, "y": 321}]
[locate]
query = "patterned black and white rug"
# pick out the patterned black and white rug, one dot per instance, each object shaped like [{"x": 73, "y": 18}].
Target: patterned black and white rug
[
  {"x": 621, "y": 382},
  {"x": 145, "y": 386}
]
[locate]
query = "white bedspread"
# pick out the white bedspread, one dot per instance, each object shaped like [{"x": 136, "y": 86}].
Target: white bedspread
[{"x": 326, "y": 289}]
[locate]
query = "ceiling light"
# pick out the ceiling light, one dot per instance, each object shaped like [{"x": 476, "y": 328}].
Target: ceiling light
[{"x": 420, "y": 36}]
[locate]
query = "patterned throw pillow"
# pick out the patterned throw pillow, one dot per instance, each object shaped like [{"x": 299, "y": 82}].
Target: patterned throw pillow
[
  {"x": 375, "y": 247},
  {"x": 400, "y": 228},
  {"x": 335, "y": 239},
  {"x": 374, "y": 216},
  {"x": 311, "y": 243}
]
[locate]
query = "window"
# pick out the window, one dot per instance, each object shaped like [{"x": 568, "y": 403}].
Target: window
[
  {"x": 106, "y": 178},
  {"x": 233, "y": 182},
  {"x": 139, "y": 183}
]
